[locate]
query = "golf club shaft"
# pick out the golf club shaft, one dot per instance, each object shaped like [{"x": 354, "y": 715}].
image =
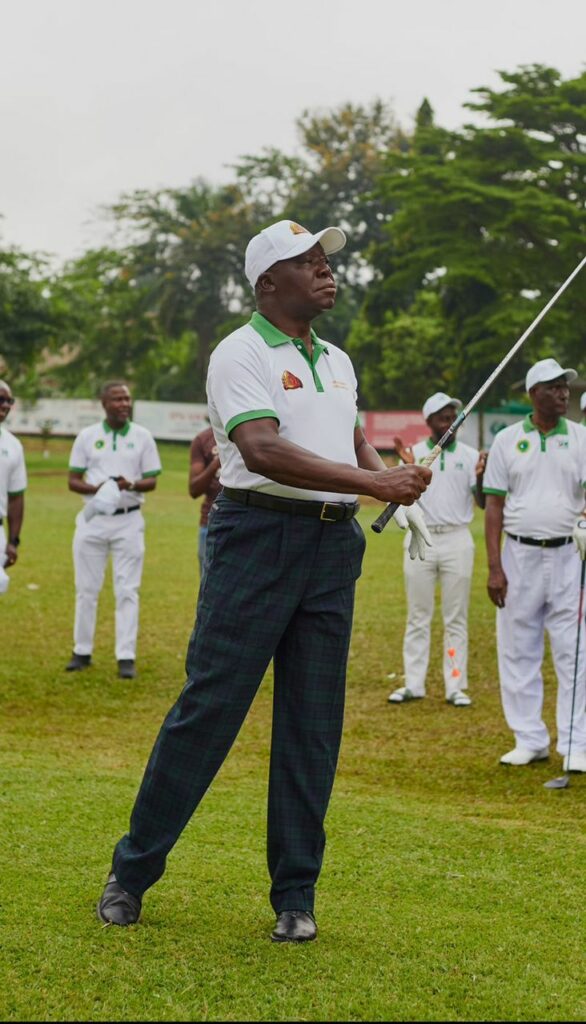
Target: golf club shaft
[{"x": 388, "y": 513}]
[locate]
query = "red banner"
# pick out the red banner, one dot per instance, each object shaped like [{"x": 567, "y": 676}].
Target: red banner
[{"x": 381, "y": 428}]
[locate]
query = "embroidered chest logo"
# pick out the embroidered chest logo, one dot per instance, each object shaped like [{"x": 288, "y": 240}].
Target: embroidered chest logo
[
  {"x": 563, "y": 442},
  {"x": 130, "y": 444},
  {"x": 99, "y": 444},
  {"x": 523, "y": 446},
  {"x": 290, "y": 381},
  {"x": 459, "y": 465},
  {"x": 5, "y": 451}
]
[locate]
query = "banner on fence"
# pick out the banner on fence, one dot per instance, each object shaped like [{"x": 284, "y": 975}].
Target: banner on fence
[{"x": 181, "y": 421}]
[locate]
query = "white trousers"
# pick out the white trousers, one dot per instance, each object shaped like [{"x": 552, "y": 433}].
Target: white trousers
[
  {"x": 450, "y": 561},
  {"x": 543, "y": 594},
  {"x": 93, "y": 541}
]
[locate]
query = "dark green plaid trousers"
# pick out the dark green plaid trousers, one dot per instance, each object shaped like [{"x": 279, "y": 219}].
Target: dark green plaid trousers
[{"x": 277, "y": 586}]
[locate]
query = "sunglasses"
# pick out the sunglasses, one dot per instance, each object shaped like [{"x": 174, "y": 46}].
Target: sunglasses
[{"x": 6, "y": 401}]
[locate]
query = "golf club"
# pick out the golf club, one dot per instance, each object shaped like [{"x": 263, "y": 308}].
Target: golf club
[
  {"x": 564, "y": 780},
  {"x": 388, "y": 513}
]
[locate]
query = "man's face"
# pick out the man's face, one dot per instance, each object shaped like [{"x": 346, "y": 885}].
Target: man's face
[
  {"x": 6, "y": 402},
  {"x": 117, "y": 405},
  {"x": 441, "y": 421},
  {"x": 550, "y": 399},
  {"x": 305, "y": 284}
]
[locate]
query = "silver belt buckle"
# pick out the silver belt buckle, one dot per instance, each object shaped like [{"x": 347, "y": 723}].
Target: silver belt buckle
[{"x": 325, "y": 518}]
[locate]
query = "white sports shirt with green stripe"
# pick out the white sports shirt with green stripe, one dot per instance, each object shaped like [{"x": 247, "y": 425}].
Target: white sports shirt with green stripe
[
  {"x": 448, "y": 501},
  {"x": 259, "y": 372},
  {"x": 12, "y": 469},
  {"x": 100, "y": 452},
  {"x": 541, "y": 476}
]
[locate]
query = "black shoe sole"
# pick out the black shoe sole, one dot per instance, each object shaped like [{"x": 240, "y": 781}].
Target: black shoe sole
[
  {"x": 115, "y": 924},
  {"x": 282, "y": 939}
]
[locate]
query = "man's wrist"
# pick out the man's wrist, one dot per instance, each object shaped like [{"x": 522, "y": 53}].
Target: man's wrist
[{"x": 15, "y": 541}]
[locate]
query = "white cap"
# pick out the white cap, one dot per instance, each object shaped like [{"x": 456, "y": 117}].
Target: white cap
[
  {"x": 583, "y": 401},
  {"x": 547, "y": 369},
  {"x": 439, "y": 401},
  {"x": 104, "y": 502},
  {"x": 283, "y": 240}
]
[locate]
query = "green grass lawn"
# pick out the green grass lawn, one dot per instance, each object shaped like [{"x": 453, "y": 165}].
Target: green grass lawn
[{"x": 452, "y": 888}]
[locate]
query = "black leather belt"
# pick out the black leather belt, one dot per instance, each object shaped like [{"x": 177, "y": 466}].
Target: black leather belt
[
  {"x": 327, "y": 511},
  {"x": 125, "y": 511},
  {"x": 551, "y": 542}
]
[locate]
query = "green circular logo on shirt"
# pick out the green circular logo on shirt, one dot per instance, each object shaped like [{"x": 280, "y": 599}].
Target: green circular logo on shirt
[
  {"x": 99, "y": 444},
  {"x": 523, "y": 446}
]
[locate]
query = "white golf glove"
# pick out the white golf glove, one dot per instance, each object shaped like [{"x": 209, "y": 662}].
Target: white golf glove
[
  {"x": 579, "y": 535},
  {"x": 411, "y": 517}
]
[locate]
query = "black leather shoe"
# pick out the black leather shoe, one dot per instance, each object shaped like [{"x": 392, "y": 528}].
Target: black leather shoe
[
  {"x": 118, "y": 906},
  {"x": 126, "y": 669},
  {"x": 78, "y": 662},
  {"x": 295, "y": 926}
]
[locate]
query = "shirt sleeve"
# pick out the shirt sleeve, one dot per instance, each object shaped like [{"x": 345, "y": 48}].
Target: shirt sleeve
[
  {"x": 496, "y": 475},
  {"x": 238, "y": 384},
  {"x": 473, "y": 463},
  {"x": 17, "y": 478},
  {"x": 78, "y": 458},
  {"x": 150, "y": 463}
]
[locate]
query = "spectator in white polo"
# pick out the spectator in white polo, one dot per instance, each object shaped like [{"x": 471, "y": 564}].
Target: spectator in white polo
[
  {"x": 534, "y": 484},
  {"x": 448, "y": 508},
  {"x": 12, "y": 487},
  {"x": 124, "y": 454}
]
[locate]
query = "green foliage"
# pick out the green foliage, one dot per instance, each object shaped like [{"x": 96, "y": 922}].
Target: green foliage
[
  {"x": 491, "y": 220},
  {"x": 409, "y": 347},
  {"x": 456, "y": 239},
  {"x": 28, "y": 319}
]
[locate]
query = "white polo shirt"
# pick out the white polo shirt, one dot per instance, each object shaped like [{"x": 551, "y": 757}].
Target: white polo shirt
[
  {"x": 100, "y": 452},
  {"x": 448, "y": 500},
  {"x": 541, "y": 476},
  {"x": 12, "y": 469},
  {"x": 259, "y": 372}
]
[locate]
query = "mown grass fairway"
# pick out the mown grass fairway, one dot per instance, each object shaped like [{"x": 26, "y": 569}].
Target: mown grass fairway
[{"x": 452, "y": 889}]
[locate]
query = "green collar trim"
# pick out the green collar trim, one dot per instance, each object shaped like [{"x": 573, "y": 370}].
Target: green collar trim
[
  {"x": 449, "y": 447},
  {"x": 108, "y": 429},
  {"x": 274, "y": 337},
  {"x": 561, "y": 426}
]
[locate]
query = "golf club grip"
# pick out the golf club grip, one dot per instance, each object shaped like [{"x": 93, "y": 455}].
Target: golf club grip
[{"x": 388, "y": 512}]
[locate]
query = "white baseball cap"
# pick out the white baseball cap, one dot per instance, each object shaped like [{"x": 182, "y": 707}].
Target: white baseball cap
[
  {"x": 283, "y": 240},
  {"x": 439, "y": 401},
  {"x": 547, "y": 369},
  {"x": 583, "y": 401}
]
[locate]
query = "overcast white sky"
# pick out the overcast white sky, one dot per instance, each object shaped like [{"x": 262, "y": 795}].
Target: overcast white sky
[{"x": 104, "y": 97}]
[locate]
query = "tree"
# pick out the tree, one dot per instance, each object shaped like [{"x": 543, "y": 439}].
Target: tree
[
  {"x": 28, "y": 320},
  {"x": 489, "y": 220}
]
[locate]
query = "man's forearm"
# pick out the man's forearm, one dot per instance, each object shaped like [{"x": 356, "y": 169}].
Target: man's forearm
[
  {"x": 493, "y": 528},
  {"x": 368, "y": 457},
  {"x": 15, "y": 515},
  {"x": 199, "y": 483},
  {"x": 267, "y": 453}
]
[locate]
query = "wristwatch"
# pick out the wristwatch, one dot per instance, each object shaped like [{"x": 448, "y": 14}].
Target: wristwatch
[{"x": 15, "y": 541}]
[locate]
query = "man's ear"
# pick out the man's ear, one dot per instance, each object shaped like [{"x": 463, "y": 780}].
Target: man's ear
[{"x": 265, "y": 283}]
